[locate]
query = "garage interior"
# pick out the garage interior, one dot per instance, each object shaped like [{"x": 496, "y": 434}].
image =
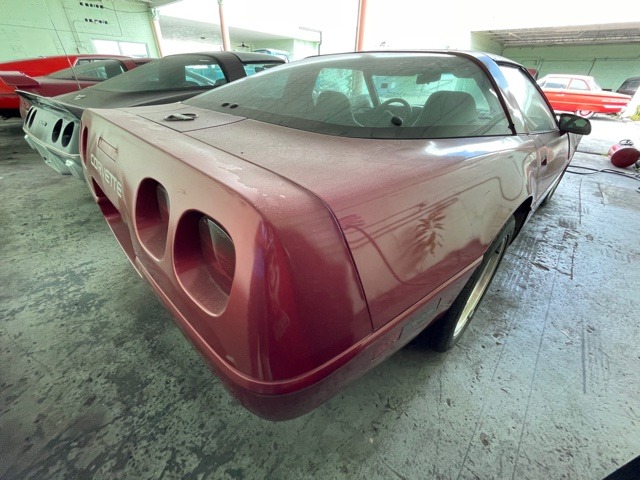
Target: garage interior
[{"x": 96, "y": 381}]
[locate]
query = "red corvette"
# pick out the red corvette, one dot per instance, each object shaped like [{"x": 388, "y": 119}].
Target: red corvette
[
  {"x": 305, "y": 223},
  {"x": 580, "y": 94},
  {"x": 34, "y": 75}
]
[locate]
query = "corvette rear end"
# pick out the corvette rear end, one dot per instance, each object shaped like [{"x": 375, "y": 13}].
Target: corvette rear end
[
  {"x": 255, "y": 269},
  {"x": 208, "y": 236},
  {"x": 296, "y": 245}
]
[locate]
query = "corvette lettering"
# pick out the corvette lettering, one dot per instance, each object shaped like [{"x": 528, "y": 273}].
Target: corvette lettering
[{"x": 106, "y": 175}]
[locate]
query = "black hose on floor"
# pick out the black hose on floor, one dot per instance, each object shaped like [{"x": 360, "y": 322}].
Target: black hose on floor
[{"x": 592, "y": 171}]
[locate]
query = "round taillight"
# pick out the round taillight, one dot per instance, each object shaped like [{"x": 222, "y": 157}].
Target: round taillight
[
  {"x": 218, "y": 252},
  {"x": 33, "y": 117},
  {"x": 67, "y": 134},
  {"x": 152, "y": 216},
  {"x": 204, "y": 260},
  {"x": 83, "y": 144},
  {"x": 57, "y": 129}
]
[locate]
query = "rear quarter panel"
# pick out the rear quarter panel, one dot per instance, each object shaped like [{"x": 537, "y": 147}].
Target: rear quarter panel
[
  {"x": 295, "y": 303},
  {"x": 413, "y": 238},
  {"x": 415, "y": 213}
]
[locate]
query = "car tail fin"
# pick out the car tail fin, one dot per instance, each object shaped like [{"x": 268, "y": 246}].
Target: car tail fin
[{"x": 18, "y": 79}]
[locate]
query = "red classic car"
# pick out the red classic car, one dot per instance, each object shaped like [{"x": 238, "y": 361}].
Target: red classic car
[
  {"x": 580, "y": 94},
  {"x": 17, "y": 73},
  {"x": 303, "y": 224}
]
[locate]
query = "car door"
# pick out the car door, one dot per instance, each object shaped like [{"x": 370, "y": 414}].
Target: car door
[{"x": 552, "y": 146}]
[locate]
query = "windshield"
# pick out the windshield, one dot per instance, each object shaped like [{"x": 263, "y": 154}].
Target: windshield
[
  {"x": 399, "y": 95},
  {"x": 177, "y": 72},
  {"x": 168, "y": 73},
  {"x": 93, "y": 71}
]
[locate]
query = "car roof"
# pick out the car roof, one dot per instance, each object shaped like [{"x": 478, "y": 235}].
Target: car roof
[
  {"x": 64, "y": 57},
  {"x": 568, "y": 75},
  {"x": 242, "y": 56},
  {"x": 475, "y": 54}
]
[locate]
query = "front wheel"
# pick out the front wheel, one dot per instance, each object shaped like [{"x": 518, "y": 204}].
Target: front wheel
[{"x": 450, "y": 327}]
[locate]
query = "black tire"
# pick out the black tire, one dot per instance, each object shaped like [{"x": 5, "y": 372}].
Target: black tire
[
  {"x": 585, "y": 113},
  {"x": 452, "y": 325}
]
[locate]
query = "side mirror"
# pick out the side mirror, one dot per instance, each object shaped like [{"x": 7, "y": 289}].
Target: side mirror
[{"x": 574, "y": 124}]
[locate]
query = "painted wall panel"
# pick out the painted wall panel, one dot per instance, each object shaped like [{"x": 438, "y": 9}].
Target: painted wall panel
[
  {"x": 31, "y": 28},
  {"x": 609, "y": 64}
]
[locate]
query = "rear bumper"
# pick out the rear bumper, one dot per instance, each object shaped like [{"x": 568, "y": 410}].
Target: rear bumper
[
  {"x": 55, "y": 138},
  {"x": 61, "y": 162},
  {"x": 291, "y": 398}
]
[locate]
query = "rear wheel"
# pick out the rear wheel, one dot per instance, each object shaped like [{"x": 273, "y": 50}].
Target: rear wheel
[
  {"x": 454, "y": 322},
  {"x": 585, "y": 113}
]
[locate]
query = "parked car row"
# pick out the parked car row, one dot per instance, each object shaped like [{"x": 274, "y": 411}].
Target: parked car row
[
  {"x": 303, "y": 224},
  {"x": 52, "y": 125},
  {"x": 55, "y": 75}
]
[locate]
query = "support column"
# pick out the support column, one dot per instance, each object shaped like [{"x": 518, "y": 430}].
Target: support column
[
  {"x": 155, "y": 26},
  {"x": 224, "y": 30},
  {"x": 362, "y": 13}
]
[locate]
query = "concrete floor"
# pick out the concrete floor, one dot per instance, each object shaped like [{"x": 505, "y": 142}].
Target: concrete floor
[{"x": 97, "y": 382}]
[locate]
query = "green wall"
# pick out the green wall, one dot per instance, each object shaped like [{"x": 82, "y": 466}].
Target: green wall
[
  {"x": 484, "y": 43},
  {"x": 27, "y": 26},
  {"x": 609, "y": 64}
]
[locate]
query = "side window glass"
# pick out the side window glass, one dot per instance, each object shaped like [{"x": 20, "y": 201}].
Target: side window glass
[
  {"x": 172, "y": 72},
  {"x": 461, "y": 102},
  {"x": 537, "y": 115},
  {"x": 257, "y": 67},
  {"x": 554, "y": 82},
  {"x": 578, "y": 84},
  {"x": 91, "y": 71},
  {"x": 349, "y": 82},
  {"x": 203, "y": 74},
  {"x": 332, "y": 79},
  {"x": 277, "y": 86}
]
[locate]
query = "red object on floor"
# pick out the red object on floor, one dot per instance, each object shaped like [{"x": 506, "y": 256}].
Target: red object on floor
[{"x": 624, "y": 154}]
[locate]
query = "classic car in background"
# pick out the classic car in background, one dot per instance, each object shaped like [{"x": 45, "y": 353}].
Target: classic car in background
[
  {"x": 51, "y": 125},
  {"x": 69, "y": 79},
  {"x": 299, "y": 239},
  {"x": 38, "y": 67},
  {"x": 581, "y": 94}
]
